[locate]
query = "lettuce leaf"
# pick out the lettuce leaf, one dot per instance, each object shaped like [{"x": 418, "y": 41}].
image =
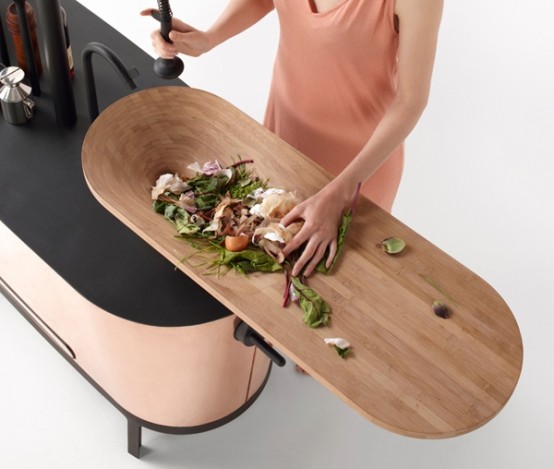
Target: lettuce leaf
[
  {"x": 316, "y": 310},
  {"x": 247, "y": 261}
]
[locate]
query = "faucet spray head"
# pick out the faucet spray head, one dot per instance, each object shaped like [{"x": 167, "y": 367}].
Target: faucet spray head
[{"x": 167, "y": 68}]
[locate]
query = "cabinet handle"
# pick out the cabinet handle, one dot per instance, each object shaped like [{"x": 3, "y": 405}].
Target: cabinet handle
[{"x": 248, "y": 336}]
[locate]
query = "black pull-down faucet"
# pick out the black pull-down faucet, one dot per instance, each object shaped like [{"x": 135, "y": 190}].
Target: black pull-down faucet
[{"x": 127, "y": 75}]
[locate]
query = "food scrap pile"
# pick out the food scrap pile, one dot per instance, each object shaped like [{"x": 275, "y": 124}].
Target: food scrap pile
[{"x": 234, "y": 216}]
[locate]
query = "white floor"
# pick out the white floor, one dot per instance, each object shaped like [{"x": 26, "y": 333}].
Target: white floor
[{"x": 478, "y": 184}]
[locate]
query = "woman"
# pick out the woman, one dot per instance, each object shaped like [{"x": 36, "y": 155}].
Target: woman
[{"x": 350, "y": 81}]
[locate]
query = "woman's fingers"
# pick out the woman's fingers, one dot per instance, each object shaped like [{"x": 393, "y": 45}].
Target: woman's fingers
[
  {"x": 321, "y": 215},
  {"x": 333, "y": 247},
  {"x": 183, "y": 38},
  {"x": 292, "y": 215},
  {"x": 148, "y": 12},
  {"x": 300, "y": 237},
  {"x": 163, "y": 48},
  {"x": 316, "y": 245},
  {"x": 314, "y": 261},
  {"x": 181, "y": 26},
  {"x": 307, "y": 253}
]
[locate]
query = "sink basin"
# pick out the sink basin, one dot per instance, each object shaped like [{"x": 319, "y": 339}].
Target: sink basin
[{"x": 410, "y": 371}]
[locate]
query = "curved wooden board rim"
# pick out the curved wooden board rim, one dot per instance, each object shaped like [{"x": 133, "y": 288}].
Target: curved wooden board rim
[{"x": 410, "y": 371}]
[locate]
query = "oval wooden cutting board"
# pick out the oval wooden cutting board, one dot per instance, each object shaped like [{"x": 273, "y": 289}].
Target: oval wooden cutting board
[{"x": 409, "y": 371}]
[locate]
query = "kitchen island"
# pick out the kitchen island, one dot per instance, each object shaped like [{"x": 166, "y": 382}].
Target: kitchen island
[{"x": 459, "y": 355}]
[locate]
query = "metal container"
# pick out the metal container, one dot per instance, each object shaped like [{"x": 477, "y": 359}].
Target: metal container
[{"x": 17, "y": 106}]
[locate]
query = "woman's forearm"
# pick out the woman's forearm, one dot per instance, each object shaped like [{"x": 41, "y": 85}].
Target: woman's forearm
[
  {"x": 238, "y": 16},
  {"x": 394, "y": 128}
]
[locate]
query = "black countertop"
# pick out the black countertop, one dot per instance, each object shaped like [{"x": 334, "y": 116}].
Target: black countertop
[{"x": 45, "y": 201}]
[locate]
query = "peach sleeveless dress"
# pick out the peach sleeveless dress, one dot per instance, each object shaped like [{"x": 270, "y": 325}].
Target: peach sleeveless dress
[{"x": 333, "y": 79}]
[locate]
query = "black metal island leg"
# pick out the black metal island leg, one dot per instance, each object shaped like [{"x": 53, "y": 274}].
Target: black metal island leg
[{"x": 134, "y": 437}]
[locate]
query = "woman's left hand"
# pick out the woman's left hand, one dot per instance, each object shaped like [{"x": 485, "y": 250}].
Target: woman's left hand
[{"x": 322, "y": 214}]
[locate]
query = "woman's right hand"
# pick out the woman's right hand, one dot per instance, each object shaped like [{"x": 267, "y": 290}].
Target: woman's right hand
[{"x": 186, "y": 39}]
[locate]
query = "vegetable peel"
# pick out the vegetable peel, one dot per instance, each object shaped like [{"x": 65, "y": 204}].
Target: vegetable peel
[
  {"x": 341, "y": 346},
  {"x": 233, "y": 217}
]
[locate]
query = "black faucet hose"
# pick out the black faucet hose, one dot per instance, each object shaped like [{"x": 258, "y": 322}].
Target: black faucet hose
[
  {"x": 165, "y": 19},
  {"x": 167, "y": 68}
]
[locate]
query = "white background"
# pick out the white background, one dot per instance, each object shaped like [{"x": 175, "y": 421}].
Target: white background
[{"x": 478, "y": 183}]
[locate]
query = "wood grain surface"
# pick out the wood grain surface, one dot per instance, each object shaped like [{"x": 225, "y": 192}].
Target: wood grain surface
[{"x": 409, "y": 371}]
